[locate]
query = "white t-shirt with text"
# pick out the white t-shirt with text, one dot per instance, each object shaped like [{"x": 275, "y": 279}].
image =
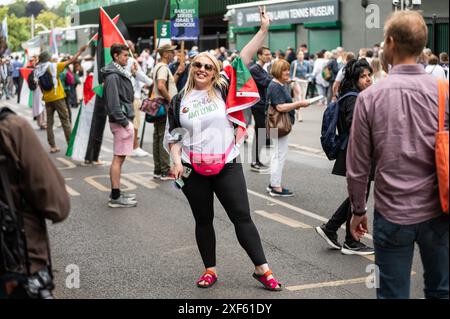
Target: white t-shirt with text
[{"x": 208, "y": 129}]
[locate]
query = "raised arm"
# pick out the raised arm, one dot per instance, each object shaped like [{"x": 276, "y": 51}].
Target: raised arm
[
  {"x": 76, "y": 56},
  {"x": 257, "y": 41}
]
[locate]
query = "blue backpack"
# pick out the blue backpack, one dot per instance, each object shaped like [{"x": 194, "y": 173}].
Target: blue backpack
[{"x": 331, "y": 142}]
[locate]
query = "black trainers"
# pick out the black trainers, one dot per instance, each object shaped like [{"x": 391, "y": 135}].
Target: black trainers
[
  {"x": 284, "y": 193},
  {"x": 330, "y": 237},
  {"x": 259, "y": 168},
  {"x": 269, "y": 188},
  {"x": 357, "y": 248}
]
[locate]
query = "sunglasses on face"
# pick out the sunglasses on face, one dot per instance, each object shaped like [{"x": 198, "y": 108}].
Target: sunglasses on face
[{"x": 199, "y": 65}]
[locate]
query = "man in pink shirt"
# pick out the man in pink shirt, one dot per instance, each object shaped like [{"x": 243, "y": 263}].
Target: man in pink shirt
[{"x": 394, "y": 124}]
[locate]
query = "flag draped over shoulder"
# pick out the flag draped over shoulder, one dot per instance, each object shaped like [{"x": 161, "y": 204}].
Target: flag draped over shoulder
[
  {"x": 108, "y": 34},
  {"x": 242, "y": 94},
  {"x": 26, "y": 95},
  {"x": 79, "y": 139}
]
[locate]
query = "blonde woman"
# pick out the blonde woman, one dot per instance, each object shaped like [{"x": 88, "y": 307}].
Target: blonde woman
[
  {"x": 201, "y": 127},
  {"x": 378, "y": 73}
]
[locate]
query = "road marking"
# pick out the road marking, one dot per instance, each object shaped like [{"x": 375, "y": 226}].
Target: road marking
[
  {"x": 107, "y": 150},
  {"x": 296, "y": 209},
  {"x": 308, "y": 150},
  {"x": 143, "y": 179},
  {"x": 70, "y": 190},
  {"x": 132, "y": 160},
  {"x": 328, "y": 284},
  {"x": 69, "y": 164},
  {"x": 92, "y": 180},
  {"x": 283, "y": 219},
  {"x": 336, "y": 283}
]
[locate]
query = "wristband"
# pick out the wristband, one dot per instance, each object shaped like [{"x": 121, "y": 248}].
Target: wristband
[{"x": 360, "y": 214}]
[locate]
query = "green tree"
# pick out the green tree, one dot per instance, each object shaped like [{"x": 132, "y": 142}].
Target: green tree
[
  {"x": 18, "y": 8},
  {"x": 18, "y": 31},
  {"x": 46, "y": 18}
]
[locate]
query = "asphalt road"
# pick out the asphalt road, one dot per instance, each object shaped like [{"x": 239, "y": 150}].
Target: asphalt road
[{"x": 150, "y": 251}]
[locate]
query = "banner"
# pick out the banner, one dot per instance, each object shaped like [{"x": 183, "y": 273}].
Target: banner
[
  {"x": 184, "y": 21},
  {"x": 162, "y": 33}
]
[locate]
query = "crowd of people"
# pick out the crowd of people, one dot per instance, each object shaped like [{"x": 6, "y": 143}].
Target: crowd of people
[{"x": 198, "y": 131}]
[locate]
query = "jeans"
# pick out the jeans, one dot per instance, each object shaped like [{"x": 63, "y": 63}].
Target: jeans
[{"x": 394, "y": 250}]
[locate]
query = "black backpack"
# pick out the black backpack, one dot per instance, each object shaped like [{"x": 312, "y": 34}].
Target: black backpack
[
  {"x": 331, "y": 142},
  {"x": 32, "y": 85},
  {"x": 46, "y": 81}
]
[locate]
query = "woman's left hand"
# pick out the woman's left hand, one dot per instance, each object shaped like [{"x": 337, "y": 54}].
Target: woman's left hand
[{"x": 265, "y": 20}]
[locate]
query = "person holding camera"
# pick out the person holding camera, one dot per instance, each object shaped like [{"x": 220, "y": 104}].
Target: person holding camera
[{"x": 31, "y": 191}]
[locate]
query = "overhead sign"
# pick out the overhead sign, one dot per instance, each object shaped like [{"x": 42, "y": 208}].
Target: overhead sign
[
  {"x": 184, "y": 21},
  {"x": 290, "y": 13}
]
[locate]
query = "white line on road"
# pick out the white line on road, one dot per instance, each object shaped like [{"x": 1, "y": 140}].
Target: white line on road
[
  {"x": 328, "y": 284},
  {"x": 107, "y": 150},
  {"x": 70, "y": 190},
  {"x": 69, "y": 164},
  {"x": 295, "y": 209},
  {"x": 283, "y": 219}
]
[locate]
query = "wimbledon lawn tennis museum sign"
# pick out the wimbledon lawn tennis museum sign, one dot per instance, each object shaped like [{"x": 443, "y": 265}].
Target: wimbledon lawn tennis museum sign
[{"x": 290, "y": 13}]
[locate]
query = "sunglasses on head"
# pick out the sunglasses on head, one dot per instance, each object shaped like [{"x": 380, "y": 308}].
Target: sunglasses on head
[{"x": 199, "y": 65}]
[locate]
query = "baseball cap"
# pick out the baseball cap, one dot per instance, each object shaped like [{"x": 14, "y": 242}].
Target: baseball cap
[{"x": 166, "y": 47}]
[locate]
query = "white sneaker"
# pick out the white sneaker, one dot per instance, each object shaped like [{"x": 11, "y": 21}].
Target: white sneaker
[{"x": 139, "y": 152}]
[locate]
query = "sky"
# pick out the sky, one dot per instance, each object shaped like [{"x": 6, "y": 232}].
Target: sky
[{"x": 50, "y": 3}]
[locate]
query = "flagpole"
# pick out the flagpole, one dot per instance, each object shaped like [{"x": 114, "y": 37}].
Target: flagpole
[{"x": 155, "y": 56}]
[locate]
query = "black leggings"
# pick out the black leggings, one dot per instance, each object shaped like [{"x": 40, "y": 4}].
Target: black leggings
[{"x": 231, "y": 190}]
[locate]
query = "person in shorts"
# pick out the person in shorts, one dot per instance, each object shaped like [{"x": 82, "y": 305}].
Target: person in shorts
[{"x": 119, "y": 97}]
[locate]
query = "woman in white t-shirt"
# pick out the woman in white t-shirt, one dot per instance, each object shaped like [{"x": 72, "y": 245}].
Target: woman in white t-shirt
[
  {"x": 434, "y": 69},
  {"x": 201, "y": 139}
]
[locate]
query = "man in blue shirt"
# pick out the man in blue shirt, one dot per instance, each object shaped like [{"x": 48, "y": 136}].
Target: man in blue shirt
[{"x": 17, "y": 65}]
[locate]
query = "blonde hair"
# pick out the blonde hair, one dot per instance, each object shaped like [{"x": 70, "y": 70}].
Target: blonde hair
[
  {"x": 409, "y": 32},
  {"x": 217, "y": 81},
  {"x": 376, "y": 65},
  {"x": 279, "y": 67}
]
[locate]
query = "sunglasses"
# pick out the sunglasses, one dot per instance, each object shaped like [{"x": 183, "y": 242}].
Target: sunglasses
[{"x": 199, "y": 65}]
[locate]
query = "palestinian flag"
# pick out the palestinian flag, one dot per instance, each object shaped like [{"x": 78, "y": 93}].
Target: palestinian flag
[
  {"x": 108, "y": 34},
  {"x": 95, "y": 37},
  {"x": 79, "y": 138},
  {"x": 242, "y": 94},
  {"x": 26, "y": 95}
]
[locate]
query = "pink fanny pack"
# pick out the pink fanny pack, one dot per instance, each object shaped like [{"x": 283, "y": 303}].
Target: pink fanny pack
[{"x": 209, "y": 164}]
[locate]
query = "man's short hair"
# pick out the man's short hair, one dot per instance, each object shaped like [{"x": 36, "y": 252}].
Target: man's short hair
[
  {"x": 304, "y": 45},
  {"x": 443, "y": 57},
  {"x": 279, "y": 67},
  {"x": 261, "y": 50},
  {"x": 117, "y": 48},
  {"x": 409, "y": 31}
]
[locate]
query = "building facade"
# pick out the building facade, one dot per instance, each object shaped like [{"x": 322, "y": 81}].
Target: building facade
[
  {"x": 322, "y": 24},
  {"x": 327, "y": 24}
]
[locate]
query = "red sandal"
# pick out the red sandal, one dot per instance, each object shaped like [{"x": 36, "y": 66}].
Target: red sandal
[
  {"x": 270, "y": 284},
  {"x": 208, "y": 276}
]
